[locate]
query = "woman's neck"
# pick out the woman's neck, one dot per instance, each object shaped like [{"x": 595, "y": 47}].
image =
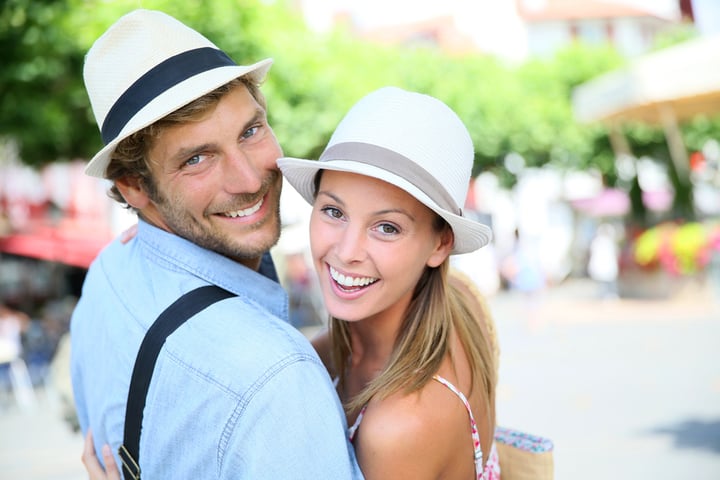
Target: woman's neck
[{"x": 372, "y": 340}]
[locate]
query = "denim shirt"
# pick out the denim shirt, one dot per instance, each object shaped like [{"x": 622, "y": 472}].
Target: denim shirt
[{"x": 237, "y": 392}]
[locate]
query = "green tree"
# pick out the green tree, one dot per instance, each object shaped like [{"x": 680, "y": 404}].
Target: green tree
[
  {"x": 520, "y": 109},
  {"x": 42, "y": 101}
]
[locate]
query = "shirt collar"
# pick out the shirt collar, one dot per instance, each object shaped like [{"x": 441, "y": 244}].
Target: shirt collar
[{"x": 261, "y": 286}]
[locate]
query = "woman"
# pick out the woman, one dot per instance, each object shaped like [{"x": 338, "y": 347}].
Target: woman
[{"x": 408, "y": 348}]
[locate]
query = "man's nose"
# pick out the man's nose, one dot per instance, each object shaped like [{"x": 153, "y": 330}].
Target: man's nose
[{"x": 241, "y": 173}]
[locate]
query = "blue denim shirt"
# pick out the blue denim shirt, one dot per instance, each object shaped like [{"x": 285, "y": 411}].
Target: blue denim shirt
[{"x": 237, "y": 392}]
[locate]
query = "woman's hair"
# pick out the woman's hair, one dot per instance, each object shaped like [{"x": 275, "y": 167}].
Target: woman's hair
[
  {"x": 437, "y": 309},
  {"x": 129, "y": 159}
]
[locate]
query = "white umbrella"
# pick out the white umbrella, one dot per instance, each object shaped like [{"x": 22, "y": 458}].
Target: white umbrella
[
  {"x": 683, "y": 80},
  {"x": 665, "y": 87}
]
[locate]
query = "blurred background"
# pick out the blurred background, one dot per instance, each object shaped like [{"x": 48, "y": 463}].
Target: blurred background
[{"x": 596, "y": 126}]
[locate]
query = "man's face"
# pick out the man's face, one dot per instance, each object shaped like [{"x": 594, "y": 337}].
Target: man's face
[{"x": 217, "y": 181}]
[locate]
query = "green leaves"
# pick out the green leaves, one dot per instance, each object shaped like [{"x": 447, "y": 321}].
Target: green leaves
[{"x": 521, "y": 109}]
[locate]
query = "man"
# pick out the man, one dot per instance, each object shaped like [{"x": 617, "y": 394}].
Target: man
[{"x": 236, "y": 391}]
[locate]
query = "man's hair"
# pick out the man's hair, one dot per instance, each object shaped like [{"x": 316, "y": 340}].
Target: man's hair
[{"x": 130, "y": 157}]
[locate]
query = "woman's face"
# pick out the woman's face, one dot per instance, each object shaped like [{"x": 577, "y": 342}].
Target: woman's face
[{"x": 370, "y": 243}]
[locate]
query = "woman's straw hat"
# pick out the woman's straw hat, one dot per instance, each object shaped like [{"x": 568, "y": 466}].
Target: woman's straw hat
[{"x": 409, "y": 140}]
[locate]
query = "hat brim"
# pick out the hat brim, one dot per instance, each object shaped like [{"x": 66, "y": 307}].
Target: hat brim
[
  {"x": 172, "y": 99},
  {"x": 300, "y": 173}
]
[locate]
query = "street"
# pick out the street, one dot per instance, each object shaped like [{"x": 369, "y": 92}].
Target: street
[{"x": 626, "y": 389}]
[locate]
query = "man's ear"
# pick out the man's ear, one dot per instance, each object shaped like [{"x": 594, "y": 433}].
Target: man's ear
[
  {"x": 442, "y": 249},
  {"x": 133, "y": 192}
]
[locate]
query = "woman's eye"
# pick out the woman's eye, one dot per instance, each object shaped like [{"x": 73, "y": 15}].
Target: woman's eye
[
  {"x": 387, "y": 228},
  {"x": 332, "y": 212}
]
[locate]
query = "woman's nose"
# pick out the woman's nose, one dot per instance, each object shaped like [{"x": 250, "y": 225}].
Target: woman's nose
[{"x": 351, "y": 245}]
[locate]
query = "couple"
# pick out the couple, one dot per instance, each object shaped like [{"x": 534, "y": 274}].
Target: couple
[{"x": 237, "y": 392}]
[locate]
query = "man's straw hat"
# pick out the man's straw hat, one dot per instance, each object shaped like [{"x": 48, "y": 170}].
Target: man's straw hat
[{"x": 146, "y": 66}]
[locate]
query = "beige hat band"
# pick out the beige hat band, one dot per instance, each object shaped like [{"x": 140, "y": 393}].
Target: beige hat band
[
  {"x": 157, "y": 80},
  {"x": 396, "y": 164}
]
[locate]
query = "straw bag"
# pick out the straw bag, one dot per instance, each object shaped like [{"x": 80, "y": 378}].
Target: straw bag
[{"x": 523, "y": 456}]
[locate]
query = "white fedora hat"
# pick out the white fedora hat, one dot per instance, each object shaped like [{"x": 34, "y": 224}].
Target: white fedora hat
[
  {"x": 407, "y": 139},
  {"x": 146, "y": 66}
]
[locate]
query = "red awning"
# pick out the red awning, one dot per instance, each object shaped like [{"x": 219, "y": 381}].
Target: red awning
[
  {"x": 70, "y": 242},
  {"x": 57, "y": 214}
]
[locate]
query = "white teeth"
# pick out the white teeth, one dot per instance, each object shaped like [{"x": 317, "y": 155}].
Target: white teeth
[
  {"x": 348, "y": 281},
  {"x": 246, "y": 212}
]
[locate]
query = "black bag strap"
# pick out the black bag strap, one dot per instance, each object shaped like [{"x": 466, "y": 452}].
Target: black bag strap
[{"x": 168, "y": 321}]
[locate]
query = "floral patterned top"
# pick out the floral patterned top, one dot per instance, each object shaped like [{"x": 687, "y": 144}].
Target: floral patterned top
[{"x": 492, "y": 467}]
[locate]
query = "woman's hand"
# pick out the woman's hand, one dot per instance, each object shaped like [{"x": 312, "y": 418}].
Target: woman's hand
[{"x": 92, "y": 464}]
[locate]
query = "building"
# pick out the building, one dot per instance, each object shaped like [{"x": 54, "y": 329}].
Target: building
[
  {"x": 552, "y": 24},
  {"x": 511, "y": 29}
]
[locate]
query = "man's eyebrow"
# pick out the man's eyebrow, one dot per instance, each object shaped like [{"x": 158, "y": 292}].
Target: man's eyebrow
[
  {"x": 187, "y": 152},
  {"x": 260, "y": 115}
]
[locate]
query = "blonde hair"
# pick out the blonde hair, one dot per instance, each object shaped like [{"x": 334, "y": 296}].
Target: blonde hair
[{"x": 438, "y": 308}]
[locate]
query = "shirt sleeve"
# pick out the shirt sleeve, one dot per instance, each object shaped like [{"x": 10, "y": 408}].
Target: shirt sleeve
[{"x": 292, "y": 427}]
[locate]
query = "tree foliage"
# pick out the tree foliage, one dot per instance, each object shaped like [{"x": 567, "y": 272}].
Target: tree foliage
[
  {"x": 42, "y": 100},
  {"x": 523, "y": 109}
]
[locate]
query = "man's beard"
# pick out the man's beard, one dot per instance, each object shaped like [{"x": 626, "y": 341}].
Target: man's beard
[{"x": 183, "y": 224}]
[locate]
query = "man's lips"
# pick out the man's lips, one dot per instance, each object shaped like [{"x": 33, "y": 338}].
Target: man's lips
[{"x": 246, "y": 212}]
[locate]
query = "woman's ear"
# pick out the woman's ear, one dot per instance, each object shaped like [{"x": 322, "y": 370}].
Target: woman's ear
[
  {"x": 133, "y": 192},
  {"x": 442, "y": 249}
]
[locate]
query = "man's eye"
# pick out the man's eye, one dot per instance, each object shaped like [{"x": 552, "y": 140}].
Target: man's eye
[
  {"x": 250, "y": 132},
  {"x": 194, "y": 160}
]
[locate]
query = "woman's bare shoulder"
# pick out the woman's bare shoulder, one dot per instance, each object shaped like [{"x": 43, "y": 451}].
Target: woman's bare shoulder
[{"x": 410, "y": 435}]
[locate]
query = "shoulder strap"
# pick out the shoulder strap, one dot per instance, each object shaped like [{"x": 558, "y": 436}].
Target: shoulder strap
[
  {"x": 473, "y": 425},
  {"x": 168, "y": 321}
]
